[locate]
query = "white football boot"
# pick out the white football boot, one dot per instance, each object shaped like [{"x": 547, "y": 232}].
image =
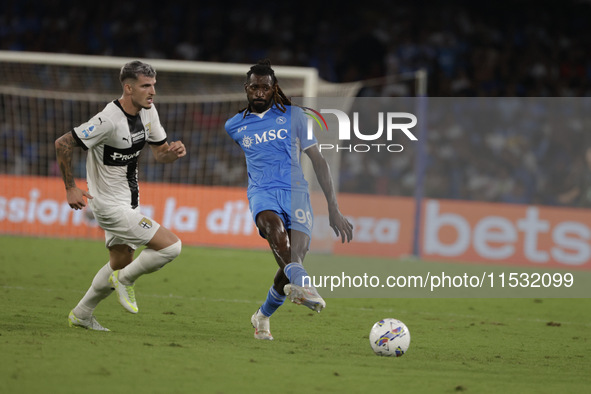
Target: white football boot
[
  {"x": 126, "y": 293},
  {"x": 306, "y": 295},
  {"x": 89, "y": 324},
  {"x": 262, "y": 328}
]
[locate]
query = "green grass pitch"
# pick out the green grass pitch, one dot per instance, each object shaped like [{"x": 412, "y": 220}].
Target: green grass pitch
[{"x": 193, "y": 333}]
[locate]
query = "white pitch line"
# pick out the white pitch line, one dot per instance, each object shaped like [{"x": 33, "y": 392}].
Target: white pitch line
[
  {"x": 142, "y": 294},
  {"x": 237, "y": 301},
  {"x": 518, "y": 319}
]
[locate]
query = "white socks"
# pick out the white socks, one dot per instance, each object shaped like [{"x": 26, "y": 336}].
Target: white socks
[
  {"x": 98, "y": 291},
  {"x": 149, "y": 260}
]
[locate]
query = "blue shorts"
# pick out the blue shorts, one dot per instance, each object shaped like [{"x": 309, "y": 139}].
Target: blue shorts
[{"x": 293, "y": 208}]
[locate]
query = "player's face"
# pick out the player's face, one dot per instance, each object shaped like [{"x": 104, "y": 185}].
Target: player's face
[
  {"x": 143, "y": 92},
  {"x": 259, "y": 92}
]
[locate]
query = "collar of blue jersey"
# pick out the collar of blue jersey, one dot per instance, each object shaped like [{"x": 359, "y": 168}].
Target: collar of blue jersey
[{"x": 259, "y": 114}]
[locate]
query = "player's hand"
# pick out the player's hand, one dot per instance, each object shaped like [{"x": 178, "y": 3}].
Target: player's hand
[
  {"x": 340, "y": 225},
  {"x": 75, "y": 197},
  {"x": 178, "y": 148}
]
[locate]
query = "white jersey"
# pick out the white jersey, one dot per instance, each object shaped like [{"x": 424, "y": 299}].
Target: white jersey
[{"x": 114, "y": 140}]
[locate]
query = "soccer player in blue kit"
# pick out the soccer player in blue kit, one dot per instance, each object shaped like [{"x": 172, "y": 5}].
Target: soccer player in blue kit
[{"x": 273, "y": 133}]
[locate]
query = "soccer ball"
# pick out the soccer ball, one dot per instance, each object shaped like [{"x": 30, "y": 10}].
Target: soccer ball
[{"x": 389, "y": 337}]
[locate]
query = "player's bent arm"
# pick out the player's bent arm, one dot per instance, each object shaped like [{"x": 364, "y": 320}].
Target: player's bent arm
[
  {"x": 323, "y": 175},
  {"x": 167, "y": 153},
  {"x": 340, "y": 225},
  {"x": 64, "y": 146}
]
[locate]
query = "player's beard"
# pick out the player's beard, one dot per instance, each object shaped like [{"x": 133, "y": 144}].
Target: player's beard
[{"x": 260, "y": 106}]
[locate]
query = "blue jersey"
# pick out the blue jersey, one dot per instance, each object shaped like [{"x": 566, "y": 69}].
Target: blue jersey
[{"x": 272, "y": 143}]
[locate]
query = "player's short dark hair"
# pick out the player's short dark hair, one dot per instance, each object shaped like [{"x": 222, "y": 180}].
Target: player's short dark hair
[
  {"x": 134, "y": 69},
  {"x": 263, "y": 67}
]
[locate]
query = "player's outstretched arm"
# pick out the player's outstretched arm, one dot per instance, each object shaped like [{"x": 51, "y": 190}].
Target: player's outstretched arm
[
  {"x": 167, "y": 153},
  {"x": 340, "y": 225},
  {"x": 64, "y": 147}
]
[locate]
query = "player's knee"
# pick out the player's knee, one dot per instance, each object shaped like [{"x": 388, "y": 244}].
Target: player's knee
[
  {"x": 269, "y": 223},
  {"x": 276, "y": 231},
  {"x": 171, "y": 252}
]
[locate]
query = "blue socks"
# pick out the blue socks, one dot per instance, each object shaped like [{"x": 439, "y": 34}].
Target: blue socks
[
  {"x": 295, "y": 272},
  {"x": 274, "y": 300}
]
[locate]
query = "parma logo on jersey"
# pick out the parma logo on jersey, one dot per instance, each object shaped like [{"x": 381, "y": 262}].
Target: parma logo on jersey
[{"x": 145, "y": 223}]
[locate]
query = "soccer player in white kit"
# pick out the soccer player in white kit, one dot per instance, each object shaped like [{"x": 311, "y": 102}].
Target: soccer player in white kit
[{"x": 114, "y": 139}]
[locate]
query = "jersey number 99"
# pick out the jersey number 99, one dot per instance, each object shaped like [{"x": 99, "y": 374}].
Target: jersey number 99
[{"x": 303, "y": 217}]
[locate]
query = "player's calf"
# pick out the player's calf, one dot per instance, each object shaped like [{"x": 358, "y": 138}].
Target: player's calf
[{"x": 149, "y": 260}]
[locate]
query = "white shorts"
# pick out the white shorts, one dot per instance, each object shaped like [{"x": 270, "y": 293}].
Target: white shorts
[{"x": 126, "y": 226}]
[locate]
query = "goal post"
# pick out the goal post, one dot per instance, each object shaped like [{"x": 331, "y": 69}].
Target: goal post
[
  {"x": 309, "y": 75},
  {"x": 43, "y": 95},
  {"x": 387, "y": 94}
]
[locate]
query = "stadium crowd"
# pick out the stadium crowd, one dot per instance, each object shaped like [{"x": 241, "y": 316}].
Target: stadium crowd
[{"x": 496, "y": 49}]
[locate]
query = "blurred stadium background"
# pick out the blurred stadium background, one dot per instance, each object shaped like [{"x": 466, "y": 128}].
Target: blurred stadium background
[
  {"x": 514, "y": 194},
  {"x": 503, "y": 50}
]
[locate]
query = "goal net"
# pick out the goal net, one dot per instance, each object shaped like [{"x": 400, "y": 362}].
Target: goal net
[{"x": 43, "y": 95}]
